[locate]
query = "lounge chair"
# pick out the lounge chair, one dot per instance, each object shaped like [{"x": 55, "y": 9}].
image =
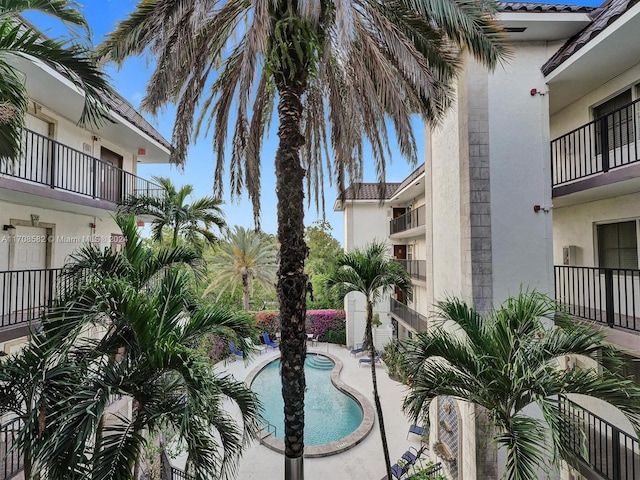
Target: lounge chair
[
  {"x": 235, "y": 351},
  {"x": 357, "y": 350},
  {"x": 412, "y": 455},
  {"x": 368, "y": 360},
  {"x": 252, "y": 346},
  {"x": 398, "y": 472},
  {"x": 267, "y": 340},
  {"x": 418, "y": 430}
]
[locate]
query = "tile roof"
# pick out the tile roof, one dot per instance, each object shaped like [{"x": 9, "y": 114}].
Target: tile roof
[
  {"x": 602, "y": 17},
  {"x": 117, "y": 103},
  {"x": 123, "y": 108},
  {"x": 369, "y": 191},
  {"x": 541, "y": 7}
]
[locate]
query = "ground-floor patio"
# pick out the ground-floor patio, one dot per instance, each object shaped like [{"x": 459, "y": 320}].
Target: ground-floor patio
[{"x": 363, "y": 461}]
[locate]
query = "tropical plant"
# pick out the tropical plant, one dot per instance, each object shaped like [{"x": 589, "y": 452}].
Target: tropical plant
[
  {"x": 243, "y": 257},
  {"x": 190, "y": 223},
  {"x": 151, "y": 323},
  {"x": 74, "y": 60},
  {"x": 323, "y": 251},
  {"x": 506, "y": 360},
  {"x": 341, "y": 72},
  {"x": 371, "y": 272}
]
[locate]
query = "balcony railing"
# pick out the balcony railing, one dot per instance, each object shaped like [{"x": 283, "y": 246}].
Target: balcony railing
[
  {"x": 47, "y": 162},
  {"x": 11, "y": 459},
  {"x": 605, "y": 295},
  {"x": 412, "y": 318},
  {"x": 610, "y": 452},
  {"x": 412, "y": 219},
  {"x": 25, "y": 294},
  {"x": 415, "y": 268},
  {"x": 601, "y": 145}
]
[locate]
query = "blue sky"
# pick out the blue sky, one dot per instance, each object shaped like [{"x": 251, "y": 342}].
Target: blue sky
[{"x": 130, "y": 81}]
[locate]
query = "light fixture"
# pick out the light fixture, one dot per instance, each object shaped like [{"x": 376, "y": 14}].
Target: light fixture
[
  {"x": 92, "y": 225},
  {"x": 8, "y": 226}
]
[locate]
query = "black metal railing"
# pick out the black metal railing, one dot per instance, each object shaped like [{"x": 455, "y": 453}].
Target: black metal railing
[
  {"x": 25, "y": 294},
  {"x": 11, "y": 457},
  {"x": 412, "y": 219},
  {"x": 177, "y": 474},
  {"x": 431, "y": 472},
  {"x": 609, "y": 451},
  {"x": 412, "y": 318},
  {"x": 58, "y": 166},
  {"x": 415, "y": 268},
  {"x": 601, "y": 145},
  {"x": 604, "y": 295}
]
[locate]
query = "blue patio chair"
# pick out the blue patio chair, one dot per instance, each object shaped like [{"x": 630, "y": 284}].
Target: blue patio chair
[
  {"x": 267, "y": 340},
  {"x": 368, "y": 360},
  {"x": 357, "y": 351},
  {"x": 418, "y": 430},
  {"x": 235, "y": 351},
  {"x": 398, "y": 472},
  {"x": 412, "y": 455}
]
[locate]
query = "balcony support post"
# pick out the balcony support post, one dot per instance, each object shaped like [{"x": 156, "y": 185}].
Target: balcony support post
[
  {"x": 604, "y": 134},
  {"x": 608, "y": 295}
]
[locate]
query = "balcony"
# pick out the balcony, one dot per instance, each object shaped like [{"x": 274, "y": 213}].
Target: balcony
[
  {"x": 605, "y": 449},
  {"x": 25, "y": 295},
  {"x": 410, "y": 317},
  {"x": 412, "y": 219},
  {"x": 11, "y": 459},
  {"x": 608, "y": 296},
  {"x": 416, "y": 268},
  {"x": 49, "y": 163},
  {"x": 595, "y": 154}
]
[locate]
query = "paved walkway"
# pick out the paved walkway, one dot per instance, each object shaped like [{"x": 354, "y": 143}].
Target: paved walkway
[{"x": 365, "y": 460}]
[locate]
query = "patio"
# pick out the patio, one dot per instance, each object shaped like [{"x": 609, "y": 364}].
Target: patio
[{"x": 366, "y": 459}]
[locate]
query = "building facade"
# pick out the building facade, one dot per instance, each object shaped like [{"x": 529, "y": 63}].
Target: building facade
[
  {"x": 59, "y": 195},
  {"x": 528, "y": 182}
]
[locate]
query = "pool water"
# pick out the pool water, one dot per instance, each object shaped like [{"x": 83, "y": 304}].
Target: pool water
[{"x": 329, "y": 413}]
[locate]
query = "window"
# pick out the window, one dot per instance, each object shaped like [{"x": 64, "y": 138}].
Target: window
[
  {"x": 618, "y": 245},
  {"x": 619, "y": 121}
]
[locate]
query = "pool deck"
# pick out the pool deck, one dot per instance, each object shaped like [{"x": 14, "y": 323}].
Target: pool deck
[{"x": 363, "y": 461}]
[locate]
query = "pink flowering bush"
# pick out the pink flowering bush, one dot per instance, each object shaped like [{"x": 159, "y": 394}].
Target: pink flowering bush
[
  {"x": 214, "y": 347},
  {"x": 326, "y": 325},
  {"x": 268, "y": 321}
]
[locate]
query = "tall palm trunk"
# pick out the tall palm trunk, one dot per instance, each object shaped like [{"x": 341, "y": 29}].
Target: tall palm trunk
[
  {"x": 376, "y": 398},
  {"x": 292, "y": 281},
  {"x": 245, "y": 291}
]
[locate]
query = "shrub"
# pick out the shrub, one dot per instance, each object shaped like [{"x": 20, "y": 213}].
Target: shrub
[
  {"x": 319, "y": 322},
  {"x": 268, "y": 321},
  {"x": 339, "y": 337},
  {"x": 214, "y": 347}
]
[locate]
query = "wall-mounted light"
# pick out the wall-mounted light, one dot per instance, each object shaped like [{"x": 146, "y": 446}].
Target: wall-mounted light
[
  {"x": 92, "y": 225},
  {"x": 8, "y": 226}
]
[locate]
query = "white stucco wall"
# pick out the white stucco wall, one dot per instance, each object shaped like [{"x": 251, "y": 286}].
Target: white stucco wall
[
  {"x": 445, "y": 192},
  {"x": 575, "y": 225},
  {"x": 71, "y": 135},
  {"x": 364, "y": 222},
  {"x": 579, "y": 112},
  {"x": 71, "y": 229},
  {"x": 519, "y": 152}
]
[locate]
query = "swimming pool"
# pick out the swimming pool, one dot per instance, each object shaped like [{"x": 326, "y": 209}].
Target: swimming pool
[{"x": 329, "y": 413}]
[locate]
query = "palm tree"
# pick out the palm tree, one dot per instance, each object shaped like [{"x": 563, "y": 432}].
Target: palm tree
[
  {"x": 152, "y": 323},
  {"x": 507, "y": 360},
  {"x": 245, "y": 256},
  {"x": 372, "y": 273},
  {"x": 19, "y": 40},
  {"x": 191, "y": 222},
  {"x": 336, "y": 72}
]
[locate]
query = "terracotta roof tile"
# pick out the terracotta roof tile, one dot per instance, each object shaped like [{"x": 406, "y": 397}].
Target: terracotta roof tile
[
  {"x": 541, "y": 7},
  {"x": 601, "y": 17},
  {"x": 369, "y": 191}
]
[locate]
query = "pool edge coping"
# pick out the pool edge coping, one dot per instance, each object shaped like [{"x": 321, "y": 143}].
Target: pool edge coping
[{"x": 332, "y": 448}]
